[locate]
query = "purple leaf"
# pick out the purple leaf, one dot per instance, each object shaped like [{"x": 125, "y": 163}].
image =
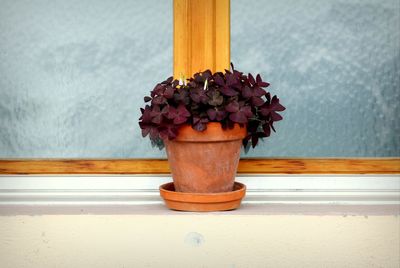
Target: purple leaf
[
  {"x": 273, "y": 107},
  {"x": 178, "y": 115},
  {"x": 259, "y": 92},
  {"x": 257, "y": 101},
  {"x": 238, "y": 117},
  {"x": 247, "y": 92},
  {"x": 198, "y": 95},
  {"x": 179, "y": 120},
  {"x": 242, "y": 115},
  {"x": 231, "y": 80},
  {"x": 221, "y": 115},
  {"x": 227, "y": 91},
  {"x": 161, "y": 93},
  {"x": 247, "y": 111},
  {"x": 206, "y": 74},
  {"x": 219, "y": 80},
  {"x": 232, "y": 107},
  {"x": 226, "y": 87},
  {"x": 182, "y": 96},
  {"x": 215, "y": 98},
  {"x": 254, "y": 94},
  {"x": 168, "y": 81},
  {"x": 200, "y": 123},
  {"x": 149, "y": 129},
  {"x": 275, "y": 116},
  {"x": 169, "y": 92},
  {"x": 254, "y": 140},
  {"x": 246, "y": 140},
  {"x": 267, "y": 130},
  {"x": 271, "y": 124},
  {"x": 157, "y": 115},
  {"x": 216, "y": 114},
  {"x": 183, "y": 111},
  {"x": 200, "y": 127},
  {"x": 158, "y": 100},
  {"x": 260, "y": 83},
  {"x": 145, "y": 128},
  {"x": 146, "y": 114},
  {"x": 157, "y": 89},
  {"x": 251, "y": 80},
  {"x": 212, "y": 114},
  {"x": 252, "y": 126},
  {"x": 276, "y": 105},
  {"x": 268, "y": 97}
]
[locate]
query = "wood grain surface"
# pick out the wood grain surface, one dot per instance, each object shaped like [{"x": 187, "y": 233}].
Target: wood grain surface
[
  {"x": 201, "y": 36},
  {"x": 246, "y": 166}
]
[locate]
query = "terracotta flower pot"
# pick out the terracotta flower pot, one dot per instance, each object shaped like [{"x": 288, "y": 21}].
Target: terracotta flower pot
[{"x": 205, "y": 162}]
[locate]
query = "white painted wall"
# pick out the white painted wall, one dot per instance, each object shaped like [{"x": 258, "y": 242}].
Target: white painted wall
[{"x": 205, "y": 240}]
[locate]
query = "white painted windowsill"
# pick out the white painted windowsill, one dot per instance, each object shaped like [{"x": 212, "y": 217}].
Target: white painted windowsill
[{"x": 266, "y": 195}]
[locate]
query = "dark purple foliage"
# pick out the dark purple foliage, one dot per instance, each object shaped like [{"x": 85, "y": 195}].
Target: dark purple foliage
[
  {"x": 230, "y": 97},
  {"x": 239, "y": 113},
  {"x": 198, "y": 95},
  {"x": 216, "y": 115},
  {"x": 200, "y": 123},
  {"x": 227, "y": 84},
  {"x": 271, "y": 109},
  {"x": 178, "y": 115},
  {"x": 161, "y": 93}
]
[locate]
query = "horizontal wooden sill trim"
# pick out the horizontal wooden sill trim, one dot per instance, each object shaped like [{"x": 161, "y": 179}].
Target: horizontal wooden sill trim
[{"x": 160, "y": 166}]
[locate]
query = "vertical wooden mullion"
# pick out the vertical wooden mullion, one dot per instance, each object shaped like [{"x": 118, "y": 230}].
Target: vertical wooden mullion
[
  {"x": 189, "y": 31},
  {"x": 223, "y": 35},
  {"x": 211, "y": 31},
  {"x": 201, "y": 36},
  {"x": 181, "y": 41}
]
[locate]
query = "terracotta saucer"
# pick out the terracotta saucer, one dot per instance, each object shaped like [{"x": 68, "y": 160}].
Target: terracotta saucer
[{"x": 200, "y": 201}]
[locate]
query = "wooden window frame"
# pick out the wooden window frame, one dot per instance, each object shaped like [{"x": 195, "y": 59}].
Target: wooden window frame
[{"x": 202, "y": 41}]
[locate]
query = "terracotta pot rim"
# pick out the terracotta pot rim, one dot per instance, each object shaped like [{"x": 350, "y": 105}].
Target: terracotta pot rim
[{"x": 214, "y": 132}]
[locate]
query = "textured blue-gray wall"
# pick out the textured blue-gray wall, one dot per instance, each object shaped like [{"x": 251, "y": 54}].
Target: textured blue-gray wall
[{"x": 73, "y": 73}]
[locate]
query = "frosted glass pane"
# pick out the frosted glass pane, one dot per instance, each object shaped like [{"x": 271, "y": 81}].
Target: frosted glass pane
[
  {"x": 73, "y": 74},
  {"x": 336, "y": 67}
]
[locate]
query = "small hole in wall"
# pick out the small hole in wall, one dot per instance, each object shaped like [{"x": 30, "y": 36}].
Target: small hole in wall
[{"x": 194, "y": 239}]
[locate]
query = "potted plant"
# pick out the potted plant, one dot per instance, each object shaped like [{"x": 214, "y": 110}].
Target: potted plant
[{"x": 203, "y": 122}]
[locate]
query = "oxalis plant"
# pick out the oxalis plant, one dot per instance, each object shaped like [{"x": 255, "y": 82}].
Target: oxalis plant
[{"x": 226, "y": 97}]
